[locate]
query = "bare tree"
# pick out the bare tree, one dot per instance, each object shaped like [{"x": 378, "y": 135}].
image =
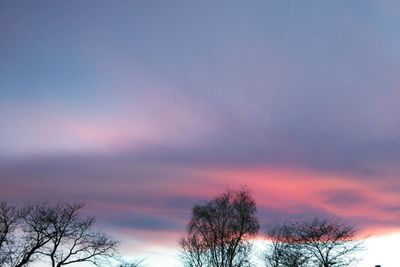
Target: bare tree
[
  {"x": 194, "y": 252},
  {"x": 8, "y": 223},
  {"x": 219, "y": 231},
  {"x": 59, "y": 233},
  {"x": 330, "y": 242},
  {"x": 35, "y": 234},
  {"x": 283, "y": 250},
  {"x": 325, "y": 242},
  {"x": 73, "y": 239}
]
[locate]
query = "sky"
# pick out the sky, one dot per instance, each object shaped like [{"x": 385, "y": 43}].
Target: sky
[{"x": 142, "y": 109}]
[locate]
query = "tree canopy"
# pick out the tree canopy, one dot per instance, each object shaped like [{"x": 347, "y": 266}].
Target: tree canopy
[
  {"x": 325, "y": 242},
  {"x": 219, "y": 231}
]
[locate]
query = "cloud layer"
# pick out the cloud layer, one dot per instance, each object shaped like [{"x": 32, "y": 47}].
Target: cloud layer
[{"x": 142, "y": 110}]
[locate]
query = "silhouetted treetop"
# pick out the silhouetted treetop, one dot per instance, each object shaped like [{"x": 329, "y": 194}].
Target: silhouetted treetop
[{"x": 219, "y": 231}]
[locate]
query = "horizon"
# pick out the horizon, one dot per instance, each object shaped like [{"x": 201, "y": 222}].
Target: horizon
[{"x": 143, "y": 109}]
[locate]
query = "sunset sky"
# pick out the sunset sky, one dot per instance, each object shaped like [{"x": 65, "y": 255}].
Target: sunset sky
[{"x": 142, "y": 109}]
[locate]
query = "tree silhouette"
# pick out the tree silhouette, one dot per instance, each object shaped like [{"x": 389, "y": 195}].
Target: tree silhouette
[
  {"x": 283, "y": 250},
  {"x": 330, "y": 242},
  {"x": 8, "y": 222},
  {"x": 219, "y": 231},
  {"x": 325, "y": 242},
  {"x": 34, "y": 223},
  {"x": 73, "y": 239},
  {"x": 59, "y": 233}
]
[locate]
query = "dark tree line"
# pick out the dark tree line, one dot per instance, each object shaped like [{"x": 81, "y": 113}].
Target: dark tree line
[
  {"x": 219, "y": 234},
  {"x": 57, "y": 234}
]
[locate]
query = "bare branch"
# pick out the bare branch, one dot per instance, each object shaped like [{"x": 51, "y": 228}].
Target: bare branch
[{"x": 9, "y": 220}]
